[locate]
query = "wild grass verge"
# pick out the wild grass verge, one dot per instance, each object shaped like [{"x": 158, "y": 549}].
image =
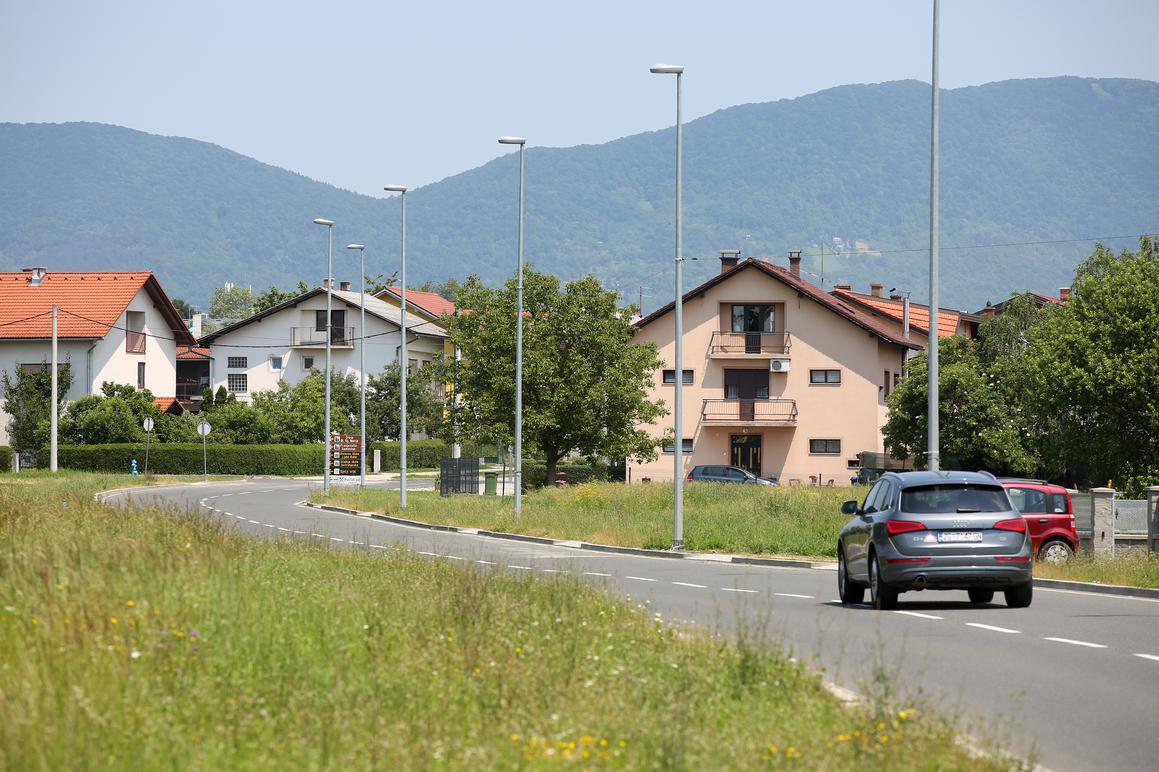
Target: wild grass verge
[
  {"x": 1134, "y": 569},
  {"x": 145, "y": 638}
]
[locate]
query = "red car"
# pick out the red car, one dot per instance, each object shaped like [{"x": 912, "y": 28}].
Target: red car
[{"x": 1049, "y": 517}]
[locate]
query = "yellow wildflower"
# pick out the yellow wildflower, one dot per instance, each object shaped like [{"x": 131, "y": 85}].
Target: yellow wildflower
[
  {"x": 130, "y": 603},
  {"x": 514, "y": 737},
  {"x": 112, "y": 620},
  {"x": 904, "y": 714},
  {"x": 791, "y": 752},
  {"x": 883, "y": 739}
]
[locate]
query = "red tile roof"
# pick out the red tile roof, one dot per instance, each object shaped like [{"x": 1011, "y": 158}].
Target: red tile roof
[
  {"x": 848, "y": 311},
  {"x": 919, "y": 315},
  {"x": 431, "y": 302},
  {"x": 193, "y": 352},
  {"x": 89, "y": 302},
  {"x": 169, "y": 405}
]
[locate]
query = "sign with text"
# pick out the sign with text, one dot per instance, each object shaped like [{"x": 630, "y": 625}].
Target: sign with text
[{"x": 345, "y": 454}]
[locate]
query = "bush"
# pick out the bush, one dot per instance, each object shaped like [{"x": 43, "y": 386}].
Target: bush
[
  {"x": 535, "y": 473},
  {"x": 5, "y": 459},
  {"x": 419, "y": 454},
  {"x": 185, "y": 458}
]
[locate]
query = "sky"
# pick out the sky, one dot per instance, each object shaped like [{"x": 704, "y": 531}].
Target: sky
[{"x": 362, "y": 94}]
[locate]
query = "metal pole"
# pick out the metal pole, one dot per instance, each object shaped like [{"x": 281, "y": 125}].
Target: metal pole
[
  {"x": 402, "y": 380},
  {"x": 362, "y": 366},
  {"x": 329, "y": 333},
  {"x": 52, "y": 446},
  {"x": 519, "y": 355},
  {"x": 678, "y": 464},
  {"x": 933, "y": 446},
  {"x": 204, "y": 460}
]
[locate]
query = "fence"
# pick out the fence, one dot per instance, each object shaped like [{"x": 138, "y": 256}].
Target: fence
[{"x": 1106, "y": 524}]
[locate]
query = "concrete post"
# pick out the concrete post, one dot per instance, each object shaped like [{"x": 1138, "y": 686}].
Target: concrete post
[
  {"x": 1103, "y": 522},
  {"x": 377, "y": 460},
  {"x": 1153, "y": 518}
]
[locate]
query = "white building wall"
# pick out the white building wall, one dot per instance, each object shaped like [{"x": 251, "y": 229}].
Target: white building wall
[{"x": 112, "y": 362}]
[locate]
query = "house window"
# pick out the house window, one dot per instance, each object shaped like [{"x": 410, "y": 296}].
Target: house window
[
  {"x": 411, "y": 366},
  {"x": 140, "y": 376},
  {"x": 670, "y": 377},
  {"x": 237, "y": 362},
  {"x": 824, "y": 376},
  {"x": 671, "y": 446},
  {"x": 238, "y": 383},
  {"x": 135, "y": 332},
  {"x": 825, "y": 447},
  {"x": 853, "y": 463},
  {"x": 753, "y": 318},
  {"x": 307, "y": 363},
  {"x": 888, "y": 383},
  {"x": 276, "y": 364}
]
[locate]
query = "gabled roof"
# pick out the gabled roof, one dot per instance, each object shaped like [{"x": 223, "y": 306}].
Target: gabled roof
[
  {"x": 374, "y": 306},
  {"x": 195, "y": 353},
  {"x": 919, "y": 315},
  {"x": 432, "y": 302},
  {"x": 783, "y": 275},
  {"x": 1039, "y": 299},
  {"x": 89, "y": 302}
]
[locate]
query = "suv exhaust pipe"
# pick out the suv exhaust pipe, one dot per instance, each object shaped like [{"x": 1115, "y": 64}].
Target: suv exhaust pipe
[{"x": 920, "y": 582}]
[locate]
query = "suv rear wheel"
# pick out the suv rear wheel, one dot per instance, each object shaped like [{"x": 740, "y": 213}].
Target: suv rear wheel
[
  {"x": 881, "y": 594},
  {"x": 851, "y": 594},
  {"x": 1019, "y": 596}
]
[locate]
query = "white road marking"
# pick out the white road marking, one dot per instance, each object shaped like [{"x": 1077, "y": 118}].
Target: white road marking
[
  {"x": 917, "y": 614},
  {"x": 270, "y": 525},
  {"x": 319, "y": 535},
  {"x": 1151, "y": 657},
  {"x": 255, "y": 522},
  {"x": 690, "y": 584},
  {"x": 379, "y": 546},
  {"x": 993, "y": 628},
  {"x": 453, "y": 557},
  {"x": 485, "y": 562},
  {"x": 335, "y": 538},
  {"x": 1074, "y": 642},
  {"x": 521, "y": 568},
  {"x": 594, "y": 573},
  {"x": 640, "y": 578},
  {"x": 430, "y": 554},
  {"x": 795, "y": 595},
  {"x": 736, "y": 589},
  {"x": 300, "y": 533},
  {"x": 280, "y": 528},
  {"x": 551, "y": 570}
]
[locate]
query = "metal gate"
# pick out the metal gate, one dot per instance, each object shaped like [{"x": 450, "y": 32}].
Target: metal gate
[{"x": 459, "y": 475}]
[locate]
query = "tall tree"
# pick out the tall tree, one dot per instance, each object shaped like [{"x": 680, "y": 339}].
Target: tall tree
[
  {"x": 114, "y": 415},
  {"x": 585, "y": 387},
  {"x": 274, "y": 296},
  {"x": 231, "y": 302},
  {"x": 424, "y": 405},
  {"x": 28, "y": 402}
]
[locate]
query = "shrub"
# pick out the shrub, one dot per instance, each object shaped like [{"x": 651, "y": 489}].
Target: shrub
[
  {"x": 186, "y": 458},
  {"x": 535, "y": 473},
  {"x": 5, "y": 458}
]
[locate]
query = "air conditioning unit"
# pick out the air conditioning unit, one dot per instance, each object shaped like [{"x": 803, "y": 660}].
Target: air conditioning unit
[{"x": 779, "y": 365}]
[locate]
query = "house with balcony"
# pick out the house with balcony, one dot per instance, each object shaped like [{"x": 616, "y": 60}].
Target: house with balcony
[
  {"x": 116, "y": 326},
  {"x": 779, "y": 376},
  {"x": 288, "y": 341}
]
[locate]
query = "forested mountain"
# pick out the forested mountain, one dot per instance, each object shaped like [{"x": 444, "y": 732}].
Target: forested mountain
[{"x": 1022, "y": 161}]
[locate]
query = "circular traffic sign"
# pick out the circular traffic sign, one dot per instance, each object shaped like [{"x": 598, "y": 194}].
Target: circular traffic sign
[
  {"x": 148, "y": 424},
  {"x": 204, "y": 428}
]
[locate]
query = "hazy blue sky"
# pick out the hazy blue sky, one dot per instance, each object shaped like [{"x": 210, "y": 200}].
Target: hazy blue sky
[{"x": 363, "y": 93}]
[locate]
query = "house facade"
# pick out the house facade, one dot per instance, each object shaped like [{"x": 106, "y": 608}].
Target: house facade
[
  {"x": 780, "y": 377},
  {"x": 111, "y": 326},
  {"x": 288, "y": 341}
]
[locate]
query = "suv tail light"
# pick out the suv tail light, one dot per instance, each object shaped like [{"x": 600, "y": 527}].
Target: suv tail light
[
  {"x": 1013, "y": 524},
  {"x": 893, "y": 527}
]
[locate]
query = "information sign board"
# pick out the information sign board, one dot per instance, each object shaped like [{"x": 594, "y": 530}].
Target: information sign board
[{"x": 345, "y": 454}]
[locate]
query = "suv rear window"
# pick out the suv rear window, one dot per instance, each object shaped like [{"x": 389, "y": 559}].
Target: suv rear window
[{"x": 948, "y": 499}]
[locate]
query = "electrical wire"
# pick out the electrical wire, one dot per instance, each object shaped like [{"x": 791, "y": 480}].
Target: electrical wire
[{"x": 26, "y": 319}]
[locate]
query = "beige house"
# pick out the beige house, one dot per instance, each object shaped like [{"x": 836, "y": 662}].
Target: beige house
[{"x": 780, "y": 377}]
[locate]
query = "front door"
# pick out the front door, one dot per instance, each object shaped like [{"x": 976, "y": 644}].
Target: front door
[{"x": 745, "y": 452}]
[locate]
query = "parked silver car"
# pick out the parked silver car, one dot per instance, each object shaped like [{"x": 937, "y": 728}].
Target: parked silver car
[{"x": 934, "y": 531}]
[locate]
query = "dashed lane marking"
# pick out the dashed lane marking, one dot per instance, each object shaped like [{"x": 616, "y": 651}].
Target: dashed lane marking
[
  {"x": 793, "y": 595},
  {"x": 269, "y": 525},
  {"x": 485, "y": 562},
  {"x": 992, "y": 628},
  {"x": 640, "y": 578},
  {"x": 521, "y": 568},
  {"x": 319, "y": 535},
  {"x": 280, "y": 528},
  {"x": 335, "y": 538},
  {"x": 255, "y": 522},
  {"x": 453, "y": 557},
  {"x": 736, "y": 589},
  {"x": 429, "y": 554},
  {"x": 594, "y": 573},
  {"x": 1151, "y": 657},
  {"x": 690, "y": 584},
  {"x": 917, "y": 614},
  {"x": 1073, "y": 642}
]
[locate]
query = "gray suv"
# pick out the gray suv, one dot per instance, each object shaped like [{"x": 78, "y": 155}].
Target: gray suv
[{"x": 936, "y": 531}]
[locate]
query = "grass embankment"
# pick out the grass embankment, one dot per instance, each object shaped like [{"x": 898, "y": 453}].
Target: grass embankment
[
  {"x": 1134, "y": 569},
  {"x": 717, "y": 518},
  {"x": 147, "y": 639}
]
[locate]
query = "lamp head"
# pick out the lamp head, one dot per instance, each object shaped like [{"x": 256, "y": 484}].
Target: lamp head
[
  {"x": 394, "y": 188},
  {"x": 356, "y": 246},
  {"x": 666, "y": 69},
  {"x": 323, "y": 221},
  {"x": 512, "y": 141}
]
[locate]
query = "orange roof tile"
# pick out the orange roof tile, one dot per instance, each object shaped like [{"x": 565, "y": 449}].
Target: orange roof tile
[
  {"x": 90, "y": 303},
  {"x": 919, "y": 315},
  {"x": 431, "y": 302},
  {"x": 193, "y": 352}
]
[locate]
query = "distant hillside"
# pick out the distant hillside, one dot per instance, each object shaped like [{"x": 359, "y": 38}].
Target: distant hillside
[{"x": 1029, "y": 160}]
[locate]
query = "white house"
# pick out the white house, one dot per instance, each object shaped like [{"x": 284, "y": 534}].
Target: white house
[
  {"x": 117, "y": 326},
  {"x": 287, "y": 341}
]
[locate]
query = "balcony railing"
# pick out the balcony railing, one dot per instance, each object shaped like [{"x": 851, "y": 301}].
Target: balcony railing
[
  {"x": 750, "y": 412},
  {"x": 744, "y": 345},
  {"x": 310, "y": 336},
  {"x": 134, "y": 342}
]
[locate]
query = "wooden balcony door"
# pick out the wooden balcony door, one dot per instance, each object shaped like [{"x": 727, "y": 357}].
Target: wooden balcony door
[{"x": 747, "y": 386}]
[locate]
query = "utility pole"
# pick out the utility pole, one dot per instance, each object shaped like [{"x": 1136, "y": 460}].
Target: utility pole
[
  {"x": 933, "y": 445},
  {"x": 52, "y": 449}
]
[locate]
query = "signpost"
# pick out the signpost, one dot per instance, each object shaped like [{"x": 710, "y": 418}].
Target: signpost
[
  {"x": 203, "y": 428},
  {"x": 346, "y": 455},
  {"x": 148, "y": 424}
]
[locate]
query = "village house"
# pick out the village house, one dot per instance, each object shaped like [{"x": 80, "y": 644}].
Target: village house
[{"x": 780, "y": 377}]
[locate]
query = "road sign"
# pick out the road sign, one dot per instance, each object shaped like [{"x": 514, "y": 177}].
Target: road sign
[
  {"x": 346, "y": 454},
  {"x": 148, "y": 424},
  {"x": 204, "y": 428}
]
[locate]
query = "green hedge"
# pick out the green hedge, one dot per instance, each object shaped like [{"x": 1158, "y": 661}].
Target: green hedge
[
  {"x": 419, "y": 454},
  {"x": 535, "y": 473},
  {"x": 5, "y": 459},
  {"x": 185, "y": 458}
]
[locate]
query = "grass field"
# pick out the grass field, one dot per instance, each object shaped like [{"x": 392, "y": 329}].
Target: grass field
[
  {"x": 150, "y": 639},
  {"x": 1135, "y": 569}
]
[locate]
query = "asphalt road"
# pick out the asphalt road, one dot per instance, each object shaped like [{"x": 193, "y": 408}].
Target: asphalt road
[{"x": 1074, "y": 679}]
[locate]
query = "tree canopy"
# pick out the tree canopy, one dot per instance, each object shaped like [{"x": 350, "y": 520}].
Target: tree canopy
[{"x": 28, "y": 402}]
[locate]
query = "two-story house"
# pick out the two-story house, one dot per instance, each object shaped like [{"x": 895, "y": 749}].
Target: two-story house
[
  {"x": 287, "y": 341},
  {"x": 116, "y": 326},
  {"x": 780, "y": 377}
]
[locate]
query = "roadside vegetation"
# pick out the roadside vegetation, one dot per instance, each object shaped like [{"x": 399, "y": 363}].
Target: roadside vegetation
[
  {"x": 1134, "y": 569},
  {"x": 145, "y": 638}
]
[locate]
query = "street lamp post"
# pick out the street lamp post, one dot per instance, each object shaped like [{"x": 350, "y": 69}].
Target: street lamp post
[
  {"x": 362, "y": 358},
  {"x": 402, "y": 432},
  {"x": 678, "y": 396},
  {"x": 518, "y": 336},
  {"x": 329, "y": 287},
  {"x": 933, "y": 442}
]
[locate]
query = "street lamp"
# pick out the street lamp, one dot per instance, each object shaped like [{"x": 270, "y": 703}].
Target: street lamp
[
  {"x": 362, "y": 357},
  {"x": 933, "y": 441},
  {"x": 518, "y": 336},
  {"x": 329, "y": 282},
  {"x": 678, "y": 397},
  {"x": 401, "y": 189}
]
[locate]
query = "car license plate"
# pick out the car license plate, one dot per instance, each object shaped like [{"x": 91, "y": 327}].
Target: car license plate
[{"x": 945, "y": 537}]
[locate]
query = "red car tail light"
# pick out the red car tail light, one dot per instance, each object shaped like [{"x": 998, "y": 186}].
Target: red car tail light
[
  {"x": 908, "y": 560},
  {"x": 894, "y": 527},
  {"x": 1012, "y": 558},
  {"x": 1013, "y": 524}
]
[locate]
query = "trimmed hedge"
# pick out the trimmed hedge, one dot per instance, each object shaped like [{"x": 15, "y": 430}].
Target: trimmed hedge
[
  {"x": 185, "y": 458},
  {"x": 419, "y": 454},
  {"x": 5, "y": 459},
  {"x": 535, "y": 473}
]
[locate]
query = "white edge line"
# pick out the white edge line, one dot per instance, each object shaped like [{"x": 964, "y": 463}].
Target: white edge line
[
  {"x": 736, "y": 589},
  {"x": 994, "y": 628},
  {"x": 594, "y": 573},
  {"x": 640, "y": 578},
  {"x": 1088, "y": 644},
  {"x": 690, "y": 584},
  {"x": 795, "y": 595},
  {"x": 917, "y": 614},
  {"x": 485, "y": 562},
  {"x": 521, "y": 568}
]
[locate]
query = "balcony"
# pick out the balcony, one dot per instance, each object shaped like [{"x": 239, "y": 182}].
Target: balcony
[
  {"x": 749, "y": 412},
  {"x": 748, "y": 345},
  {"x": 310, "y": 337}
]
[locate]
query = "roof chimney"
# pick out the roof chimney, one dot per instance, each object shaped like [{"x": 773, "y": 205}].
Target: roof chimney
[
  {"x": 876, "y": 289},
  {"x": 989, "y": 311},
  {"x": 729, "y": 259},
  {"x": 35, "y": 275},
  {"x": 795, "y": 262},
  {"x": 344, "y": 286},
  {"x": 843, "y": 286},
  {"x": 1063, "y": 293},
  {"x": 325, "y": 284}
]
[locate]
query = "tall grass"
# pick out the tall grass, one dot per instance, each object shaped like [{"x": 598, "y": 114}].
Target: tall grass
[
  {"x": 717, "y": 518},
  {"x": 147, "y": 639},
  {"x": 1134, "y": 569}
]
